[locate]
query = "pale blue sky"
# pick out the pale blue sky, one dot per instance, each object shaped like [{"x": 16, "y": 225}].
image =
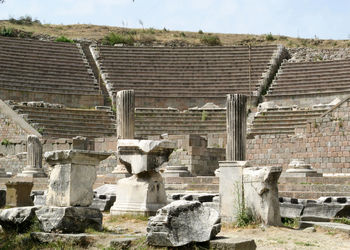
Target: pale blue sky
[{"x": 298, "y": 18}]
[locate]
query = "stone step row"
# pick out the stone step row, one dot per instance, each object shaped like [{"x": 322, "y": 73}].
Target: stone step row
[
  {"x": 36, "y": 65},
  {"x": 306, "y": 84},
  {"x": 184, "y": 94},
  {"x": 320, "y": 89},
  {"x": 82, "y": 86},
  {"x": 48, "y": 89},
  {"x": 162, "y": 74},
  {"x": 201, "y": 49},
  {"x": 34, "y": 42},
  {"x": 309, "y": 187},
  {"x": 84, "y": 113},
  {"x": 311, "y": 195},
  {"x": 144, "y": 133},
  {"x": 29, "y": 54},
  {"x": 312, "y": 75},
  {"x": 314, "y": 64},
  {"x": 82, "y": 75}
]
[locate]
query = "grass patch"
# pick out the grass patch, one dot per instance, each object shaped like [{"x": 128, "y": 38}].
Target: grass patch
[
  {"x": 289, "y": 222},
  {"x": 204, "y": 116},
  {"x": 210, "y": 40},
  {"x": 306, "y": 244},
  {"x": 113, "y": 38},
  {"x": 64, "y": 39},
  {"x": 127, "y": 217},
  {"x": 342, "y": 220},
  {"x": 270, "y": 37}
]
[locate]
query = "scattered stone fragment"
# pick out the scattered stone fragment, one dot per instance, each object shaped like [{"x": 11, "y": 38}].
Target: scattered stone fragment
[
  {"x": 69, "y": 219},
  {"x": 232, "y": 244},
  {"x": 182, "y": 222},
  {"x": 83, "y": 240},
  {"x": 122, "y": 243},
  {"x": 17, "y": 219},
  {"x": 310, "y": 230}
]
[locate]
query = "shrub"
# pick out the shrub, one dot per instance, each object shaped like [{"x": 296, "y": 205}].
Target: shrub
[
  {"x": 10, "y": 32},
  {"x": 146, "y": 39},
  {"x": 182, "y": 34},
  {"x": 200, "y": 32},
  {"x": 210, "y": 40},
  {"x": 5, "y": 142},
  {"x": 64, "y": 39},
  {"x": 269, "y": 37},
  {"x": 24, "y": 20},
  {"x": 204, "y": 115},
  {"x": 113, "y": 38}
]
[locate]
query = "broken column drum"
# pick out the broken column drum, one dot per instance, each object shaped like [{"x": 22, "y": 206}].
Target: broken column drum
[
  {"x": 34, "y": 158},
  {"x": 125, "y": 114},
  {"x": 236, "y": 120}
]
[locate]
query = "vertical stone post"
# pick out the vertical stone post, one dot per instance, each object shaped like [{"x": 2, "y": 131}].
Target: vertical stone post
[
  {"x": 125, "y": 103},
  {"x": 236, "y": 122},
  {"x": 125, "y": 114},
  {"x": 34, "y": 158}
]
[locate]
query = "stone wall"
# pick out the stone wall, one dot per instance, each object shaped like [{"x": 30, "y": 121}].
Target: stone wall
[
  {"x": 9, "y": 130},
  {"x": 324, "y": 143},
  {"x": 192, "y": 152}
]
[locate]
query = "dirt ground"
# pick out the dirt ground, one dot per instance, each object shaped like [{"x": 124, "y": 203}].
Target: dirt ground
[{"x": 266, "y": 238}]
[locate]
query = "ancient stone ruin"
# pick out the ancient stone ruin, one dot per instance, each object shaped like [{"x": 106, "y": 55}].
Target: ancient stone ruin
[{"x": 143, "y": 192}]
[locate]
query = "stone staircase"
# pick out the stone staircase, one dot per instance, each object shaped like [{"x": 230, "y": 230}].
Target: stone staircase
[
  {"x": 32, "y": 70},
  {"x": 154, "y": 122},
  {"x": 282, "y": 120},
  {"x": 56, "y": 121},
  {"x": 193, "y": 75},
  {"x": 310, "y": 79}
]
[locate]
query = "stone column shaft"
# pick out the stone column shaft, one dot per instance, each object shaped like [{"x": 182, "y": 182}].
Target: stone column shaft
[
  {"x": 236, "y": 122},
  {"x": 34, "y": 152},
  {"x": 34, "y": 158},
  {"x": 125, "y": 114}
]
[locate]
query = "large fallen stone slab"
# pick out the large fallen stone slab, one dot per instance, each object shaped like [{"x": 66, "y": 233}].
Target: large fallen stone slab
[
  {"x": 182, "y": 222},
  {"x": 17, "y": 219},
  {"x": 326, "y": 225},
  {"x": 327, "y": 210},
  {"x": 69, "y": 219}
]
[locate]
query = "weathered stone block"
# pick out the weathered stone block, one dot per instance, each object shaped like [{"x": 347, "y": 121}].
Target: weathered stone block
[
  {"x": 142, "y": 194},
  {"x": 143, "y": 155},
  {"x": 17, "y": 219},
  {"x": 69, "y": 219},
  {"x": 72, "y": 177},
  {"x": 261, "y": 193},
  {"x": 18, "y": 193},
  {"x": 182, "y": 222}
]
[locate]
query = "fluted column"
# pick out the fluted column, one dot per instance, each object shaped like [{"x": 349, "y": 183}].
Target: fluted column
[
  {"x": 34, "y": 158},
  {"x": 125, "y": 114},
  {"x": 125, "y": 103},
  {"x": 236, "y": 122}
]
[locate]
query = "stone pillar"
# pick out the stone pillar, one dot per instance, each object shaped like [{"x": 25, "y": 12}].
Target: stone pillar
[
  {"x": 231, "y": 189},
  {"x": 125, "y": 114},
  {"x": 72, "y": 177},
  {"x": 34, "y": 158},
  {"x": 236, "y": 126},
  {"x": 18, "y": 193},
  {"x": 125, "y": 103}
]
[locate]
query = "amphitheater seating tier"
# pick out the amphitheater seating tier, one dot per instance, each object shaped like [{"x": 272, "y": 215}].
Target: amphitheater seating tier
[
  {"x": 50, "y": 68},
  {"x": 68, "y": 122},
  {"x": 154, "y": 122},
  {"x": 311, "y": 78},
  {"x": 197, "y": 73},
  {"x": 282, "y": 121}
]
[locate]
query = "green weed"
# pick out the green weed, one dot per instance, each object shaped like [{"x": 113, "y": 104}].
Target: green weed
[{"x": 210, "y": 40}]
